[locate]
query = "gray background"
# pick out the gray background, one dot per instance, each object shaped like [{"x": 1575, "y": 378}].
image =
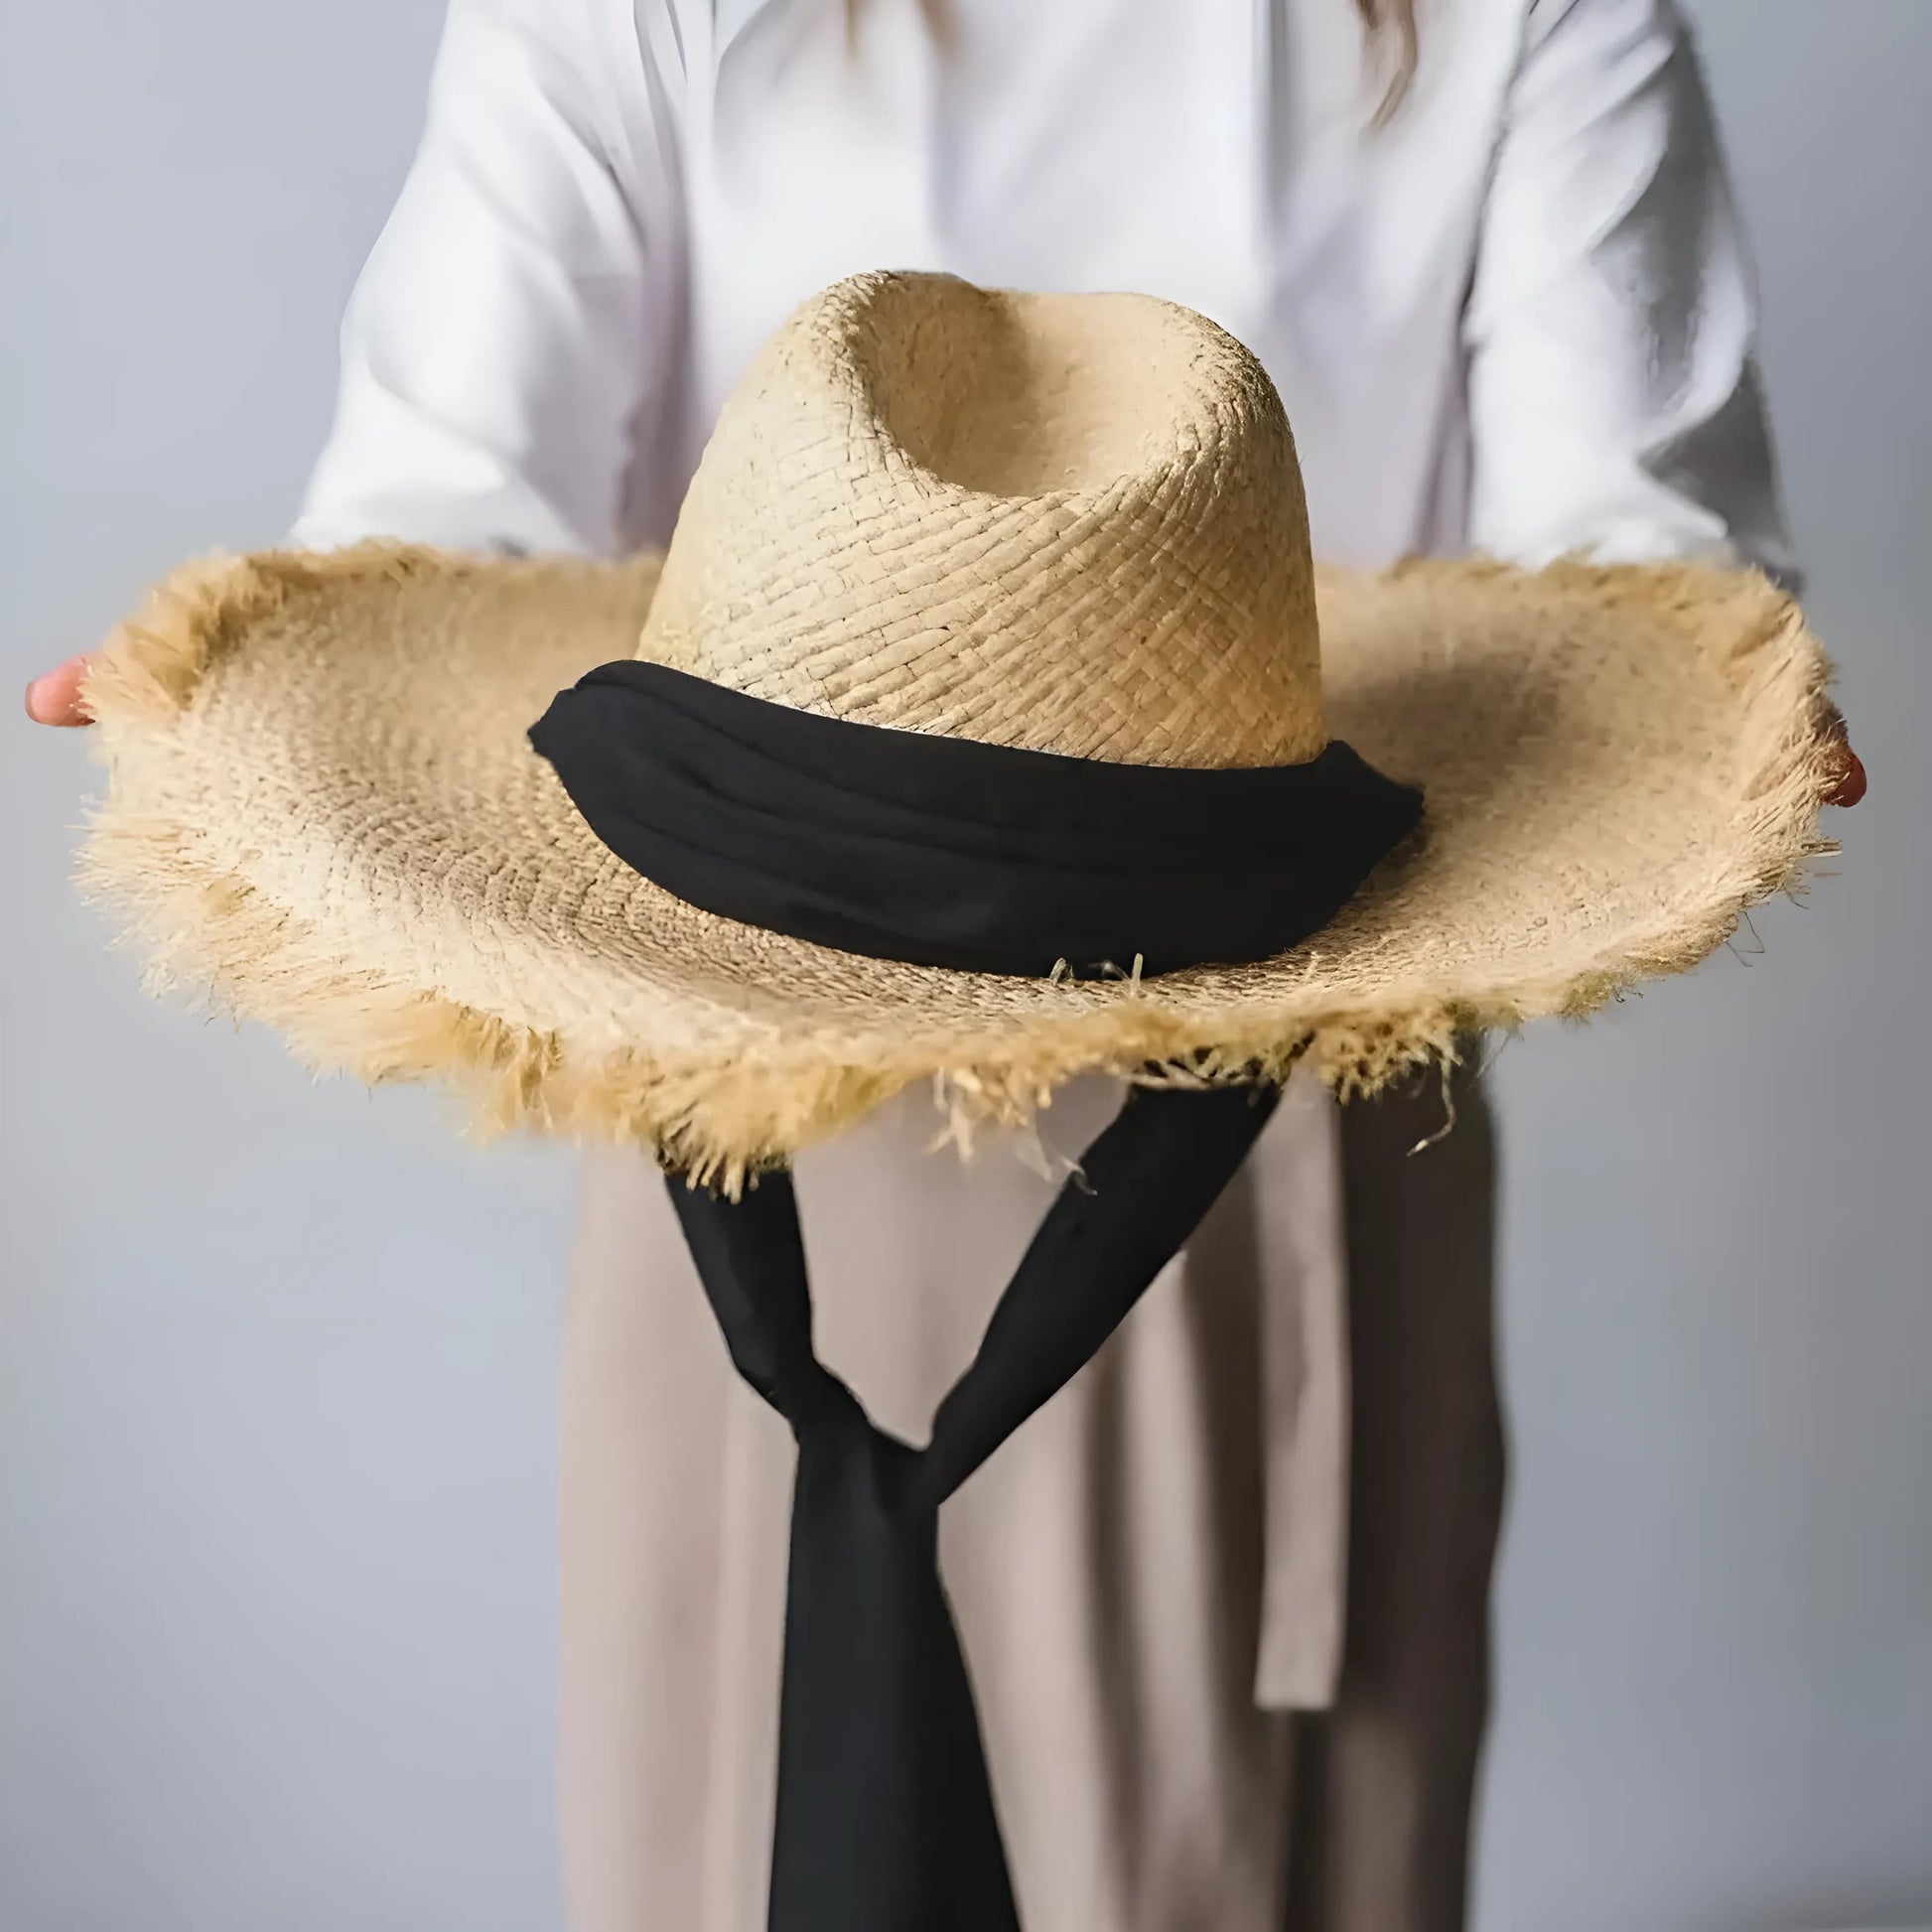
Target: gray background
[{"x": 276, "y": 1401}]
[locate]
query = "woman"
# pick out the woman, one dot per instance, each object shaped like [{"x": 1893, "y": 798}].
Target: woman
[{"x": 1494, "y": 271}]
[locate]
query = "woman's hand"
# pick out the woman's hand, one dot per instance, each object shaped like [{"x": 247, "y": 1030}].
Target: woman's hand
[
  {"x": 54, "y": 698},
  {"x": 1849, "y": 785}
]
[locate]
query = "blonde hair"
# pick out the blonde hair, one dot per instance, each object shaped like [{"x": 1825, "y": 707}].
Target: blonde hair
[
  {"x": 1392, "y": 46},
  {"x": 1389, "y": 26}
]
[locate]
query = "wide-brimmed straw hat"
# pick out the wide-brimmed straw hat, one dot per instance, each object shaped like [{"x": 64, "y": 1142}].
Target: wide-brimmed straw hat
[
  {"x": 1013, "y": 538},
  {"x": 986, "y": 719}
]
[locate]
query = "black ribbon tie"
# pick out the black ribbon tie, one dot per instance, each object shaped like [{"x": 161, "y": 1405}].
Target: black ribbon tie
[
  {"x": 886, "y": 1820},
  {"x": 945, "y": 852}
]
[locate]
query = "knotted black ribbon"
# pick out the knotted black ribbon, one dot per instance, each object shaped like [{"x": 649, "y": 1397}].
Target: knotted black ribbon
[
  {"x": 943, "y": 852},
  {"x": 886, "y": 1821},
  {"x": 947, "y": 852}
]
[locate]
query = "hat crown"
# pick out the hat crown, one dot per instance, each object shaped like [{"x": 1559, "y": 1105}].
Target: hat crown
[{"x": 1070, "y": 523}]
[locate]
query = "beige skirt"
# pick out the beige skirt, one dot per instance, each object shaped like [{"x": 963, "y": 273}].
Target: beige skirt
[{"x": 1147, "y": 1578}]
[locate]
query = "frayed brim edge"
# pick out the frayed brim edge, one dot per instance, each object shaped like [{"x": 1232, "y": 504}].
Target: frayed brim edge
[{"x": 204, "y": 929}]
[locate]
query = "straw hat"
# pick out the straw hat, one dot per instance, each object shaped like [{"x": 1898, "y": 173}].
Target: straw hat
[
  {"x": 977, "y": 724},
  {"x": 1067, "y": 527}
]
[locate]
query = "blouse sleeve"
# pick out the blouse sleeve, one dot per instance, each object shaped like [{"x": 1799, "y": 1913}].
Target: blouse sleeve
[
  {"x": 1615, "y": 404},
  {"x": 508, "y": 334}
]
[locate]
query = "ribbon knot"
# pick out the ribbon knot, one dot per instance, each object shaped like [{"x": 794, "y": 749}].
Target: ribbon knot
[{"x": 886, "y": 1821}]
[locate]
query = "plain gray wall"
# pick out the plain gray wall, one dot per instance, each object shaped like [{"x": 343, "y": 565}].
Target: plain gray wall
[{"x": 276, "y": 1404}]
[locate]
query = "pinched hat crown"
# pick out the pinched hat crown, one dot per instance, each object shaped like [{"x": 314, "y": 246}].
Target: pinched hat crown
[{"x": 1064, "y": 523}]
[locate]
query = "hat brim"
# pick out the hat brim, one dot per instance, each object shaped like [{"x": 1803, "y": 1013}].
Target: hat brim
[{"x": 324, "y": 806}]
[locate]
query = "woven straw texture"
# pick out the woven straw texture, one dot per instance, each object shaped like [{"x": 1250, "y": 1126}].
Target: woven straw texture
[
  {"x": 321, "y": 805},
  {"x": 1072, "y": 523}
]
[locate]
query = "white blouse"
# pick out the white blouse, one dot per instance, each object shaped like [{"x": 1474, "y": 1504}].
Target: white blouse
[{"x": 1519, "y": 316}]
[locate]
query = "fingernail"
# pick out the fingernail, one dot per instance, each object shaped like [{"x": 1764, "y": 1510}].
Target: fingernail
[{"x": 51, "y": 699}]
